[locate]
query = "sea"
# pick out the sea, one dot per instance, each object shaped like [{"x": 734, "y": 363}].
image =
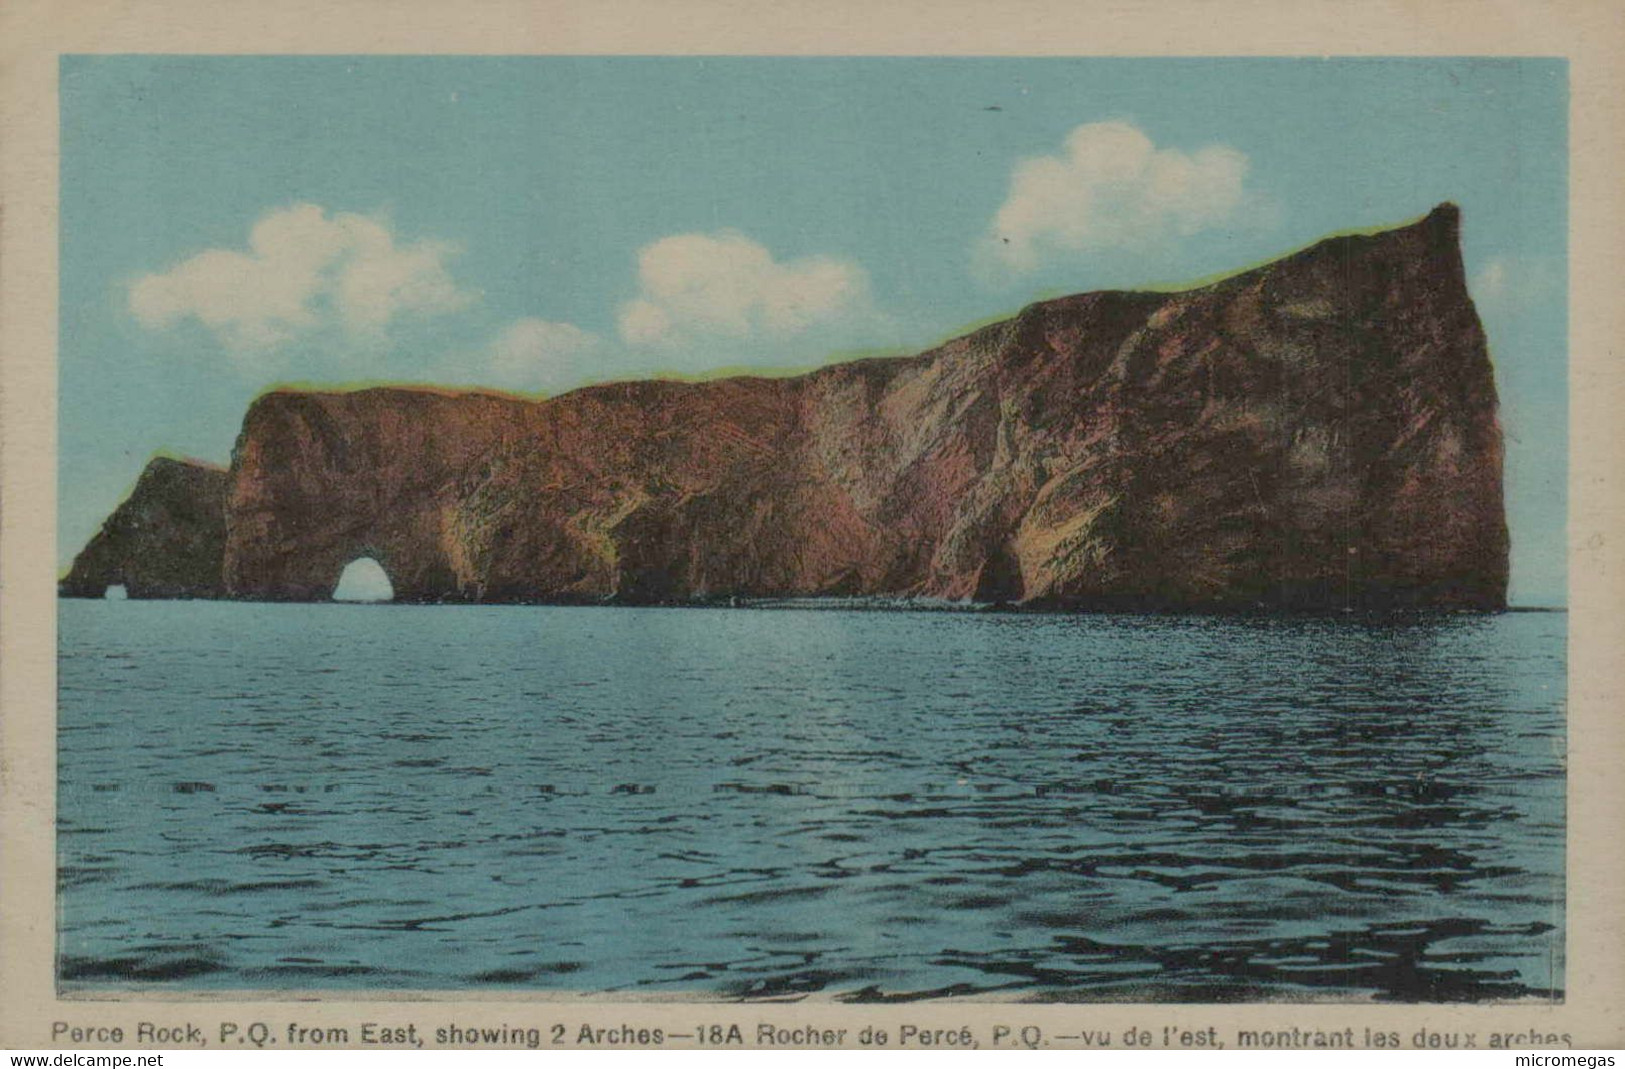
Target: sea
[{"x": 809, "y": 802}]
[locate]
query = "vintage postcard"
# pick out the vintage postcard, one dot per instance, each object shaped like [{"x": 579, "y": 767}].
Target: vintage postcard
[{"x": 575, "y": 532}]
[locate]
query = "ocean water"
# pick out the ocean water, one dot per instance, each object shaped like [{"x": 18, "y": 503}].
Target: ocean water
[{"x": 779, "y": 803}]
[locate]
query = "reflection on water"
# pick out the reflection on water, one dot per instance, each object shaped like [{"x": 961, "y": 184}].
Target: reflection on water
[{"x": 758, "y": 804}]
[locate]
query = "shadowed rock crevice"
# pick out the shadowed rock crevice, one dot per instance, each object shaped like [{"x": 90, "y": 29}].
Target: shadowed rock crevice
[{"x": 1316, "y": 434}]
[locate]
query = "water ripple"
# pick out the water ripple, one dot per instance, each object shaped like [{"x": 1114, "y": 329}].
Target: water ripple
[{"x": 873, "y": 807}]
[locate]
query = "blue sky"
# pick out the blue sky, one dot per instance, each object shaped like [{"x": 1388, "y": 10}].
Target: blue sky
[{"x": 537, "y": 223}]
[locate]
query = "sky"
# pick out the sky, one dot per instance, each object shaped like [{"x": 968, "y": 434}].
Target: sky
[{"x": 537, "y": 223}]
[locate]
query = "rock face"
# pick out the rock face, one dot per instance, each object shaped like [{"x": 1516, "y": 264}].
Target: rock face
[
  {"x": 166, "y": 541},
  {"x": 1319, "y": 433}
]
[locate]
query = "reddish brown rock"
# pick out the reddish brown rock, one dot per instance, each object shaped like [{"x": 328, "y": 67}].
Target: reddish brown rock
[{"x": 1319, "y": 433}]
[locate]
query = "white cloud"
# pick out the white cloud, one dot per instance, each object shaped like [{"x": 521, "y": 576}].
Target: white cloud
[
  {"x": 1491, "y": 282},
  {"x": 539, "y": 354},
  {"x": 1111, "y": 187},
  {"x": 701, "y": 288},
  {"x": 1507, "y": 284},
  {"x": 304, "y": 272}
]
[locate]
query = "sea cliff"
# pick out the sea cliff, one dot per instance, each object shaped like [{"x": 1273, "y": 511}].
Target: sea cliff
[{"x": 1319, "y": 433}]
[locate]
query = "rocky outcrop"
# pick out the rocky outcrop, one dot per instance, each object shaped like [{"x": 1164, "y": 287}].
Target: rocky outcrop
[
  {"x": 1319, "y": 433},
  {"x": 166, "y": 541}
]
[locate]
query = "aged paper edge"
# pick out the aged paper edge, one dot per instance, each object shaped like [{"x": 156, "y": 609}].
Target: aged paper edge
[{"x": 34, "y": 33}]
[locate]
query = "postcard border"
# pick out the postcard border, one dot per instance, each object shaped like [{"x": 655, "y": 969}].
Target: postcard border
[{"x": 36, "y": 32}]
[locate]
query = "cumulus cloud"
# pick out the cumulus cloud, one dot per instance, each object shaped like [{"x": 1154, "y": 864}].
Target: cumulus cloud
[
  {"x": 697, "y": 288},
  {"x": 703, "y": 301},
  {"x": 304, "y": 272},
  {"x": 1111, "y": 187},
  {"x": 1515, "y": 284},
  {"x": 540, "y": 354},
  {"x": 1491, "y": 281}
]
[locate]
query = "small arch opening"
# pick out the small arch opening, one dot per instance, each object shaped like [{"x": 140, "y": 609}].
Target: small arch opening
[
  {"x": 116, "y": 592},
  {"x": 365, "y": 580}
]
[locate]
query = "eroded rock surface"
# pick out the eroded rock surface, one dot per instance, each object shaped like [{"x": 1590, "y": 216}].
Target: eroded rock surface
[
  {"x": 167, "y": 540},
  {"x": 1319, "y": 433}
]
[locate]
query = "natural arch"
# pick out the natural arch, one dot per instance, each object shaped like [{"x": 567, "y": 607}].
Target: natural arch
[
  {"x": 116, "y": 592},
  {"x": 364, "y": 579}
]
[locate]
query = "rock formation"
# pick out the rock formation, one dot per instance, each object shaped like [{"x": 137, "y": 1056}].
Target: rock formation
[
  {"x": 166, "y": 541},
  {"x": 1319, "y": 433}
]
